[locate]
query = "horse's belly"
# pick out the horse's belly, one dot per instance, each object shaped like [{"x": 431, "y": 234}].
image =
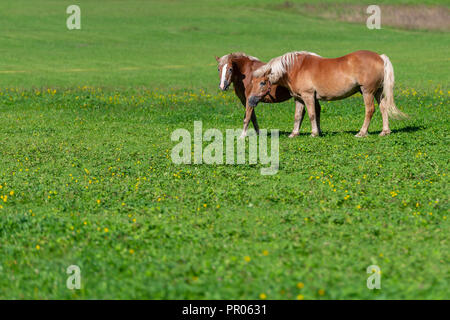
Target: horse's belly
[{"x": 330, "y": 95}]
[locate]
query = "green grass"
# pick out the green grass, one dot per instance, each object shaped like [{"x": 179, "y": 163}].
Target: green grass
[
  {"x": 195, "y": 224},
  {"x": 86, "y": 175},
  {"x": 171, "y": 44}
]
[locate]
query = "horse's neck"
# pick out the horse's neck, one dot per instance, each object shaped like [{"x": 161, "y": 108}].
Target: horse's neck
[
  {"x": 246, "y": 66},
  {"x": 242, "y": 77}
]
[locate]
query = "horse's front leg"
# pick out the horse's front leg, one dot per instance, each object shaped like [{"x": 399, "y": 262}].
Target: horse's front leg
[
  {"x": 310, "y": 102},
  {"x": 255, "y": 122},
  {"x": 253, "y": 118},
  {"x": 248, "y": 114},
  {"x": 298, "y": 117}
]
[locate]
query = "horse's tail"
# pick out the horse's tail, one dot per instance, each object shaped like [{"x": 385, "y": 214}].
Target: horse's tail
[{"x": 387, "y": 99}]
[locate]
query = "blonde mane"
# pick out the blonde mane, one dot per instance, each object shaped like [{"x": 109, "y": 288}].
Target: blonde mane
[
  {"x": 280, "y": 65},
  {"x": 236, "y": 55}
]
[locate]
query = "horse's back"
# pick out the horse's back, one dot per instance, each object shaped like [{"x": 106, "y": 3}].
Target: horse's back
[
  {"x": 337, "y": 78},
  {"x": 364, "y": 54},
  {"x": 364, "y": 65},
  {"x": 356, "y": 57}
]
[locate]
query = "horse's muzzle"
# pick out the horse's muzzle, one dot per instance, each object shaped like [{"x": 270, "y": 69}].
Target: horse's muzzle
[
  {"x": 226, "y": 84},
  {"x": 253, "y": 101}
]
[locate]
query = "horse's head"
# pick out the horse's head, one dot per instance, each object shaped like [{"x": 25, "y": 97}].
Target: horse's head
[
  {"x": 225, "y": 68},
  {"x": 260, "y": 88}
]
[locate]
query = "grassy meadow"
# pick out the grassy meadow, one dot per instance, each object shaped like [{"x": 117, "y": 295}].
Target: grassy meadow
[
  {"x": 86, "y": 176},
  {"x": 171, "y": 44}
]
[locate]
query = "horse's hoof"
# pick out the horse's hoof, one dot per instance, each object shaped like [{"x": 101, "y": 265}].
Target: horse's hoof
[
  {"x": 361, "y": 135},
  {"x": 314, "y": 134},
  {"x": 385, "y": 133},
  {"x": 293, "y": 135},
  {"x": 242, "y": 136}
]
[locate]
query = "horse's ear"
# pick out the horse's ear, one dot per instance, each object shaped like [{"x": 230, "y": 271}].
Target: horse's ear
[{"x": 217, "y": 58}]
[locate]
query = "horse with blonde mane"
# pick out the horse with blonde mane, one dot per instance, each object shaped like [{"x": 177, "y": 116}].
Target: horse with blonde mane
[
  {"x": 238, "y": 68},
  {"x": 311, "y": 78}
]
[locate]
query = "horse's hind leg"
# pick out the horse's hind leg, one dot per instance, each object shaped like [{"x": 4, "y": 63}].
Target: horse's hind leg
[
  {"x": 311, "y": 107},
  {"x": 384, "y": 113},
  {"x": 298, "y": 117},
  {"x": 318, "y": 109},
  {"x": 370, "y": 109}
]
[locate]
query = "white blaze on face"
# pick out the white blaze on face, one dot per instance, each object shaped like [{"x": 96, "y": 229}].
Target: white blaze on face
[{"x": 222, "y": 79}]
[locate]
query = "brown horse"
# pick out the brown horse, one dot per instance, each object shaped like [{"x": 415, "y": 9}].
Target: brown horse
[
  {"x": 237, "y": 68},
  {"x": 311, "y": 78}
]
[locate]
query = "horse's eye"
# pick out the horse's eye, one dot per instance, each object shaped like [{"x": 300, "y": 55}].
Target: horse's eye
[
  {"x": 262, "y": 83},
  {"x": 231, "y": 69}
]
